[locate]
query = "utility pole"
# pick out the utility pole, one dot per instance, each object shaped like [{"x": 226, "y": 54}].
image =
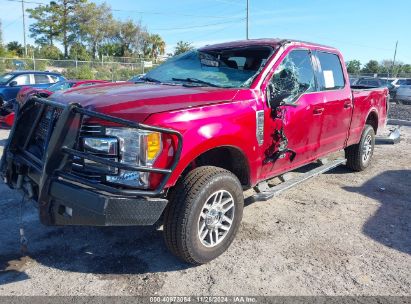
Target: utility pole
[
  {"x": 24, "y": 28},
  {"x": 395, "y": 55},
  {"x": 246, "y": 32}
]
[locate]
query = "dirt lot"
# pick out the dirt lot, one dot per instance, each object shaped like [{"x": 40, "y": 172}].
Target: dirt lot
[{"x": 341, "y": 233}]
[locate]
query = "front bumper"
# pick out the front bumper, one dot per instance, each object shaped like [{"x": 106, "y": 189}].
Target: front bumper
[
  {"x": 71, "y": 205},
  {"x": 63, "y": 197}
]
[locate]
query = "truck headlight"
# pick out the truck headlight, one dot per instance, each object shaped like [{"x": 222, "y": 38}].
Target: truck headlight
[{"x": 137, "y": 148}]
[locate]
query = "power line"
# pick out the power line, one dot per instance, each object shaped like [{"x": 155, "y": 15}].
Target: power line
[
  {"x": 12, "y": 22},
  {"x": 29, "y": 2},
  {"x": 196, "y": 26},
  {"x": 167, "y": 13}
]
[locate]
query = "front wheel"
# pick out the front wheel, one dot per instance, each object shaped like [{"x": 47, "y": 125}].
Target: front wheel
[
  {"x": 359, "y": 155},
  {"x": 203, "y": 215}
]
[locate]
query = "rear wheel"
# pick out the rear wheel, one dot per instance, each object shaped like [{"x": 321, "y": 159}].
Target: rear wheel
[
  {"x": 203, "y": 215},
  {"x": 359, "y": 156}
]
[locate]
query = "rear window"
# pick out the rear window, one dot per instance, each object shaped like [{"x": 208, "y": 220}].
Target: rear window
[{"x": 331, "y": 74}]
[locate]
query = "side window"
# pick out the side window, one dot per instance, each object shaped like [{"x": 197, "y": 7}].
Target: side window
[
  {"x": 293, "y": 77},
  {"x": 53, "y": 78},
  {"x": 41, "y": 79},
  {"x": 22, "y": 79},
  {"x": 331, "y": 74}
]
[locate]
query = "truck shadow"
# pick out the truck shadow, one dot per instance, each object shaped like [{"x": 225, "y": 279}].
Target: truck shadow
[
  {"x": 391, "y": 223},
  {"x": 104, "y": 251}
]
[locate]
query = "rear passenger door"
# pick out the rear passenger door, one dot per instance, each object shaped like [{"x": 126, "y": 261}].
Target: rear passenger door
[{"x": 337, "y": 101}]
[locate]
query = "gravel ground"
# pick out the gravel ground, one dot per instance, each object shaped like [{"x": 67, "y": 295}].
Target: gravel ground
[
  {"x": 342, "y": 233},
  {"x": 399, "y": 111}
]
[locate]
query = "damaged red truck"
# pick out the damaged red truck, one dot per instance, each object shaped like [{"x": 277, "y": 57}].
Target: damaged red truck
[{"x": 180, "y": 147}]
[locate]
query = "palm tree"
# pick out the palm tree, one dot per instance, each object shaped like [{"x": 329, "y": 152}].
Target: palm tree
[{"x": 157, "y": 46}]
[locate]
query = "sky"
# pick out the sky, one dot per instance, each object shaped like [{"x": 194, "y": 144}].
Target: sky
[{"x": 361, "y": 29}]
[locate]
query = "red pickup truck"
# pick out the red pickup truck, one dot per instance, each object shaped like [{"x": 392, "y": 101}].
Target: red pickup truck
[{"x": 180, "y": 147}]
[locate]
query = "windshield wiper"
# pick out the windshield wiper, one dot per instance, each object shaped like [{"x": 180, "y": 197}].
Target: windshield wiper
[
  {"x": 195, "y": 80},
  {"x": 149, "y": 79}
]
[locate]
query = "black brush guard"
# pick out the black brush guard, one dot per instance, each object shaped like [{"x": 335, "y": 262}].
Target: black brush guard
[{"x": 56, "y": 187}]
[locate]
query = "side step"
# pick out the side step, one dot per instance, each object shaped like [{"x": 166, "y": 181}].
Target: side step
[{"x": 270, "y": 192}]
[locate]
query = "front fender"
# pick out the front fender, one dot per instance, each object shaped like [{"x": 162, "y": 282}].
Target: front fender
[{"x": 203, "y": 128}]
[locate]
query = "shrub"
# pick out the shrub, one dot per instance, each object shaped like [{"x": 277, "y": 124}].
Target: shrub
[{"x": 82, "y": 72}]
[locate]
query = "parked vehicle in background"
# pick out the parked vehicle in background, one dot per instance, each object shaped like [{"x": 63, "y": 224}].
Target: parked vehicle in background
[
  {"x": 11, "y": 83},
  {"x": 403, "y": 94},
  {"x": 136, "y": 78},
  {"x": 26, "y": 92},
  {"x": 401, "y": 81},
  {"x": 18, "y": 64},
  {"x": 353, "y": 80},
  {"x": 179, "y": 149},
  {"x": 372, "y": 82}
]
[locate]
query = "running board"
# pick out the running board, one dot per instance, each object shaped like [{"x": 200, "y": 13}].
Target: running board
[{"x": 270, "y": 192}]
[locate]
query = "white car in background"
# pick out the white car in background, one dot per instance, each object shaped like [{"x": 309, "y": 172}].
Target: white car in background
[{"x": 403, "y": 94}]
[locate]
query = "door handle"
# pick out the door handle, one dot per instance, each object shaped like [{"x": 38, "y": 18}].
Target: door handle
[
  {"x": 318, "y": 111},
  {"x": 347, "y": 105}
]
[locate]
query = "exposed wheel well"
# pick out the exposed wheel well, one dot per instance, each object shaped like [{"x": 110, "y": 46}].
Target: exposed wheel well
[
  {"x": 229, "y": 158},
  {"x": 372, "y": 120}
]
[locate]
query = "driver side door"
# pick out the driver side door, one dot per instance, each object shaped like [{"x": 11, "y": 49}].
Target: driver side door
[{"x": 299, "y": 119}]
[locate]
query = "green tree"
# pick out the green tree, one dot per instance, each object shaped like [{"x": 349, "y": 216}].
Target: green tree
[
  {"x": 79, "y": 51},
  {"x": 15, "y": 47},
  {"x": 95, "y": 25},
  {"x": 54, "y": 21},
  {"x": 354, "y": 67},
  {"x": 111, "y": 49},
  {"x": 158, "y": 46},
  {"x": 406, "y": 69},
  {"x": 372, "y": 67},
  {"x": 65, "y": 10},
  {"x": 130, "y": 37},
  {"x": 45, "y": 28},
  {"x": 182, "y": 47},
  {"x": 49, "y": 52}
]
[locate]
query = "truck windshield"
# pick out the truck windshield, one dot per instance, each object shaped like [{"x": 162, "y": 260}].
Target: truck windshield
[
  {"x": 5, "y": 77},
  {"x": 226, "y": 68}
]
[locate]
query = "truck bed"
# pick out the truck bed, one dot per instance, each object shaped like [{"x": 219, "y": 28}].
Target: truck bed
[{"x": 371, "y": 100}]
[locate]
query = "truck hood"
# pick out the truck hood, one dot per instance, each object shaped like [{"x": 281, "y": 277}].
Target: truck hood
[{"x": 138, "y": 101}]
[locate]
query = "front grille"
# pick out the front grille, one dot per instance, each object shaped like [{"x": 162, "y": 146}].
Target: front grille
[{"x": 39, "y": 142}]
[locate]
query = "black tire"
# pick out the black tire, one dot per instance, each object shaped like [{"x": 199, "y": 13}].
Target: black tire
[
  {"x": 186, "y": 202},
  {"x": 355, "y": 154}
]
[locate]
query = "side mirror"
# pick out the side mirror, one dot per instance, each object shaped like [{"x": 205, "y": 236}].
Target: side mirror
[
  {"x": 13, "y": 83},
  {"x": 276, "y": 98}
]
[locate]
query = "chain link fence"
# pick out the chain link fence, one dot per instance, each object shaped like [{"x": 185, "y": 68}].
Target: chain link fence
[{"x": 112, "y": 69}]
